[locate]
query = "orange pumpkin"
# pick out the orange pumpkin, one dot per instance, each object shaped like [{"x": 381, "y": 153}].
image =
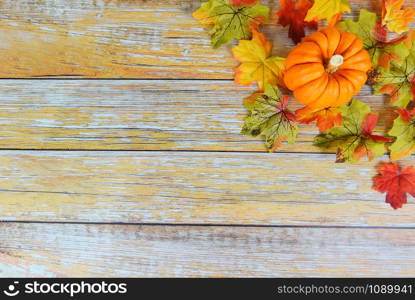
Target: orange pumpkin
[{"x": 327, "y": 68}]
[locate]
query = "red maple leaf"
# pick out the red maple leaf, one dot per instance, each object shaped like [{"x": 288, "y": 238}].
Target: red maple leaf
[
  {"x": 396, "y": 183},
  {"x": 380, "y": 33},
  {"x": 369, "y": 125},
  {"x": 293, "y": 14},
  {"x": 282, "y": 107},
  {"x": 406, "y": 114},
  {"x": 242, "y": 2},
  {"x": 381, "y": 36}
]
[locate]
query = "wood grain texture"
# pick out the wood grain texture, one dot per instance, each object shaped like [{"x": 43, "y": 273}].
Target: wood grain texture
[
  {"x": 202, "y": 115},
  {"x": 163, "y": 251},
  {"x": 192, "y": 187},
  {"x": 126, "y": 39},
  {"x": 174, "y": 184},
  {"x": 107, "y": 39}
]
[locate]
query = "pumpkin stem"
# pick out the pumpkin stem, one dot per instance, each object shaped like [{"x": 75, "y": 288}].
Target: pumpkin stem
[{"x": 335, "y": 62}]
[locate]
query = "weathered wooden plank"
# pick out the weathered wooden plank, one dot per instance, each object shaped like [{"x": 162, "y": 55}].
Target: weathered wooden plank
[
  {"x": 129, "y": 39},
  {"x": 192, "y": 187},
  {"x": 126, "y": 39},
  {"x": 137, "y": 115},
  {"x": 164, "y": 251}
]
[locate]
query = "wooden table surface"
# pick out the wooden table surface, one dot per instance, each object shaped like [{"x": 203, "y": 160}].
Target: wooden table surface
[{"x": 120, "y": 155}]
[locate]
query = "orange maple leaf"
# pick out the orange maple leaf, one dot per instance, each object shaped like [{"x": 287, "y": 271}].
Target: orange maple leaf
[
  {"x": 386, "y": 58},
  {"x": 392, "y": 90},
  {"x": 394, "y": 17},
  {"x": 326, "y": 118},
  {"x": 257, "y": 62}
]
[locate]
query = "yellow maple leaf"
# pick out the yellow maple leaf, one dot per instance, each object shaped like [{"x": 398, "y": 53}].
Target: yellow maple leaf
[
  {"x": 394, "y": 17},
  {"x": 331, "y": 10},
  {"x": 257, "y": 62}
]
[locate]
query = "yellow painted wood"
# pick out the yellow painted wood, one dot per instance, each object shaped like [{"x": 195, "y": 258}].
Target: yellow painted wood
[
  {"x": 106, "y": 39},
  {"x": 139, "y": 115},
  {"x": 164, "y": 251},
  {"x": 192, "y": 187}
]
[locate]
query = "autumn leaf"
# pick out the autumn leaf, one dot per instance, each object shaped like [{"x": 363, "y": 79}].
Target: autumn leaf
[
  {"x": 403, "y": 130},
  {"x": 374, "y": 37},
  {"x": 292, "y": 14},
  {"x": 330, "y": 10},
  {"x": 364, "y": 27},
  {"x": 230, "y": 22},
  {"x": 326, "y": 118},
  {"x": 398, "y": 80},
  {"x": 394, "y": 17},
  {"x": 257, "y": 64},
  {"x": 269, "y": 117},
  {"x": 396, "y": 183},
  {"x": 389, "y": 50},
  {"x": 354, "y": 138}
]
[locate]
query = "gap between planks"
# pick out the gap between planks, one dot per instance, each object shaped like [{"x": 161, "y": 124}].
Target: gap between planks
[
  {"x": 167, "y": 150},
  {"x": 207, "y": 225}
]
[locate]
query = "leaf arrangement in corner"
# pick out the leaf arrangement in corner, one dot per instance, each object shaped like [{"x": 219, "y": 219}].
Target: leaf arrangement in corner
[{"x": 323, "y": 72}]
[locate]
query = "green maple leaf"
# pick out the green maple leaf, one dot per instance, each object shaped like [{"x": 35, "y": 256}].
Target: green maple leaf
[
  {"x": 365, "y": 28},
  {"x": 398, "y": 80},
  {"x": 269, "y": 117},
  {"x": 230, "y": 22},
  {"x": 353, "y": 139},
  {"x": 404, "y": 131}
]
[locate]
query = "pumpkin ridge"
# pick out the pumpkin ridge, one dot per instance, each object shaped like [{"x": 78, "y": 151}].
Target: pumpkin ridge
[
  {"x": 356, "y": 66},
  {"x": 327, "y": 96},
  {"x": 334, "y": 100},
  {"x": 332, "y": 42},
  {"x": 310, "y": 83},
  {"x": 300, "y": 52},
  {"x": 357, "y": 45},
  {"x": 291, "y": 76},
  {"x": 347, "y": 88},
  {"x": 317, "y": 37},
  {"x": 343, "y": 39},
  {"x": 315, "y": 43},
  {"x": 305, "y": 63},
  {"x": 345, "y": 78},
  {"x": 355, "y": 78},
  {"x": 352, "y": 64}
]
